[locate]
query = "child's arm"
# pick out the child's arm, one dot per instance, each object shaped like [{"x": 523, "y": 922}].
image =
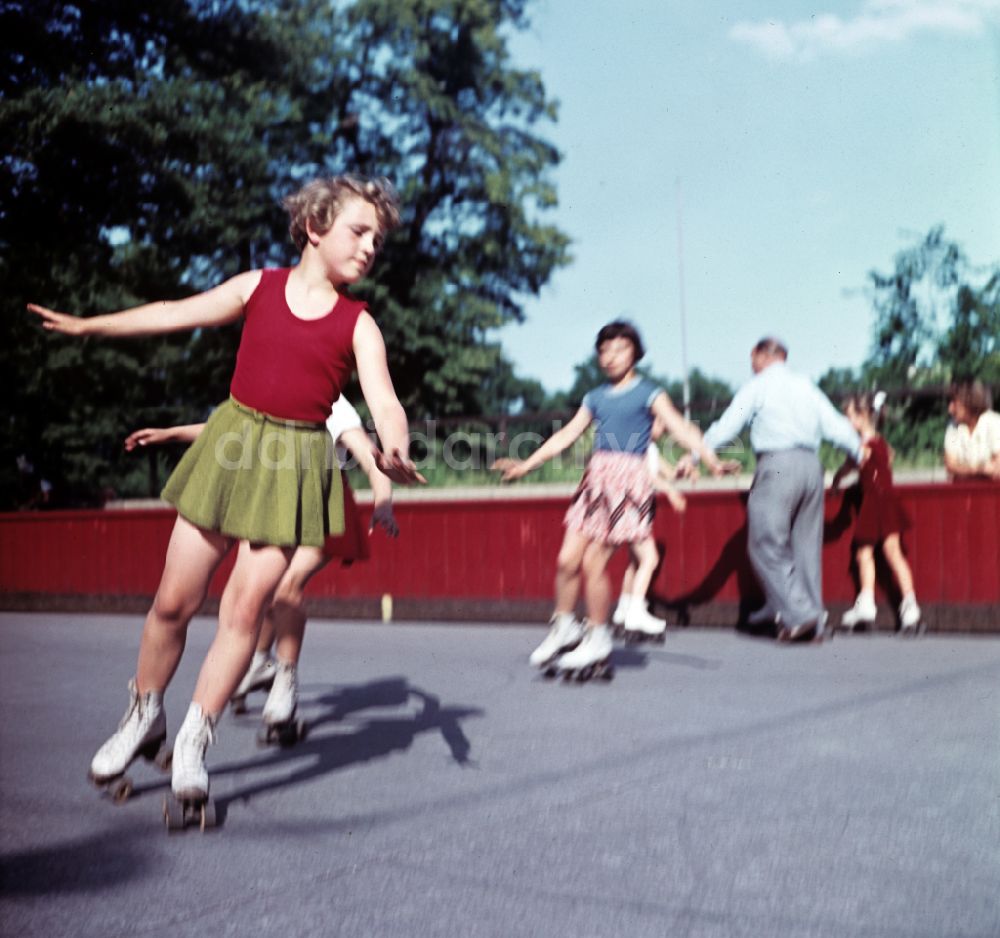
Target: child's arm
[
  {"x": 215, "y": 307},
  {"x": 386, "y": 411},
  {"x": 360, "y": 447},
  {"x": 154, "y": 436},
  {"x": 663, "y": 483},
  {"x": 563, "y": 438},
  {"x": 685, "y": 432},
  {"x": 843, "y": 470}
]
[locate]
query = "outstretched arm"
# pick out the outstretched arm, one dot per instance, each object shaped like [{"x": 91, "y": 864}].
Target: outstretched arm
[
  {"x": 685, "y": 432},
  {"x": 216, "y": 307},
  {"x": 154, "y": 436},
  {"x": 360, "y": 447},
  {"x": 563, "y": 438},
  {"x": 386, "y": 411}
]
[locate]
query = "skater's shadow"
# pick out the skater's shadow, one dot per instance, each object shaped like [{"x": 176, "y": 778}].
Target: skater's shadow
[
  {"x": 629, "y": 656},
  {"x": 96, "y": 863},
  {"x": 733, "y": 560},
  {"x": 373, "y": 735}
]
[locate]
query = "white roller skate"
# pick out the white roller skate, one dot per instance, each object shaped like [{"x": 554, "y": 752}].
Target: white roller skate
[
  {"x": 280, "y": 725},
  {"x": 259, "y": 676},
  {"x": 862, "y": 614},
  {"x": 565, "y": 632},
  {"x": 910, "y": 617},
  {"x": 621, "y": 611},
  {"x": 142, "y": 732},
  {"x": 642, "y": 625},
  {"x": 189, "y": 803},
  {"x": 590, "y": 659}
]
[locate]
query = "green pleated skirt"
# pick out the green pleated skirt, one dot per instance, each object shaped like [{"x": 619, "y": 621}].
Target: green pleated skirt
[{"x": 260, "y": 479}]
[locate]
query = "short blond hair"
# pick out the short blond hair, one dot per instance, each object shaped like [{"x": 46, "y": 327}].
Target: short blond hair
[{"x": 319, "y": 202}]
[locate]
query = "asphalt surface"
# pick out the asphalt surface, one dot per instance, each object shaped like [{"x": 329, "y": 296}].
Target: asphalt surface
[{"x": 720, "y": 785}]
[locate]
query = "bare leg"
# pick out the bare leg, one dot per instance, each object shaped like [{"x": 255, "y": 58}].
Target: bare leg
[
  {"x": 647, "y": 557},
  {"x": 286, "y": 618},
  {"x": 193, "y": 555},
  {"x": 568, "y": 566},
  {"x": 628, "y": 579},
  {"x": 267, "y": 634},
  {"x": 247, "y": 594},
  {"x": 598, "y": 583},
  {"x": 866, "y": 568},
  {"x": 893, "y": 553}
]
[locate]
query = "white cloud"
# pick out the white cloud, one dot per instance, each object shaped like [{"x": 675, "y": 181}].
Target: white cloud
[{"x": 878, "y": 21}]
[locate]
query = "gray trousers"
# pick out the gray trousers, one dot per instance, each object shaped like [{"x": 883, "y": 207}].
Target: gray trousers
[{"x": 785, "y": 533}]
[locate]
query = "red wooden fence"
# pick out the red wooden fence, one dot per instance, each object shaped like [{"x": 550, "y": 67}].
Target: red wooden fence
[{"x": 493, "y": 558}]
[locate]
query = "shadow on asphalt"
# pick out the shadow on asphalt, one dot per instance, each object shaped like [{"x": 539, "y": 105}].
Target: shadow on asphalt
[
  {"x": 378, "y": 735},
  {"x": 89, "y": 865}
]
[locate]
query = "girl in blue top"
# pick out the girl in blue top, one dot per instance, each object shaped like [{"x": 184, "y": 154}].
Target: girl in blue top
[{"x": 614, "y": 502}]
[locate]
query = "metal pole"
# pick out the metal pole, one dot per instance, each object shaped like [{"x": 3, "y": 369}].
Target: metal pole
[{"x": 680, "y": 283}]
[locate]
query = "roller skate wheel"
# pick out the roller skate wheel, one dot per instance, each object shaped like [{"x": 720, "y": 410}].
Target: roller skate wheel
[
  {"x": 173, "y": 814},
  {"x": 165, "y": 760},
  {"x": 207, "y": 816},
  {"x": 238, "y": 705},
  {"x": 122, "y": 791}
]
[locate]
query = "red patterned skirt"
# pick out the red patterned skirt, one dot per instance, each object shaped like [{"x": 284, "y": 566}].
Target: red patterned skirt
[{"x": 615, "y": 500}]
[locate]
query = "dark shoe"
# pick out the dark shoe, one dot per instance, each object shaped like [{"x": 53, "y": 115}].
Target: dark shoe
[{"x": 806, "y": 632}]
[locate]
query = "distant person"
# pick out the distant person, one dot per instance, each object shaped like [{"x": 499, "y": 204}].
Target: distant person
[
  {"x": 972, "y": 440},
  {"x": 881, "y": 519},
  {"x": 788, "y": 418},
  {"x": 631, "y": 614},
  {"x": 614, "y": 502}
]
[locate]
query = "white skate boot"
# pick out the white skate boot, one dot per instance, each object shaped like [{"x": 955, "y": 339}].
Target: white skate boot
[
  {"x": 621, "y": 610},
  {"x": 910, "y": 620},
  {"x": 565, "y": 633},
  {"x": 641, "y": 624},
  {"x": 280, "y": 725},
  {"x": 142, "y": 732},
  {"x": 862, "y": 613},
  {"x": 190, "y": 777},
  {"x": 259, "y": 676},
  {"x": 589, "y": 659},
  {"x": 189, "y": 803}
]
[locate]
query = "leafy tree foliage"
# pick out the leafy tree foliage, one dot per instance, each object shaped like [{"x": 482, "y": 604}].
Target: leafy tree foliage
[
  {"x": 937, "y": 319},
  {"x": 149, "y": 144}
]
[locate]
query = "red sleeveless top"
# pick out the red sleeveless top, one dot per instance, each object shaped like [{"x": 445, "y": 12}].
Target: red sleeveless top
[{"x": 289, "y": 367}]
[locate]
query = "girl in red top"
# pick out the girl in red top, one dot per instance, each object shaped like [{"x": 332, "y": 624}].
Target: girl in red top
[
  {"x": 881, "y": 519},
  {"x": 262, "y": 475}
]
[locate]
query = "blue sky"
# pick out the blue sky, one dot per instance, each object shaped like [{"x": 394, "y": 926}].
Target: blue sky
[{"x": 811, "y": 143}]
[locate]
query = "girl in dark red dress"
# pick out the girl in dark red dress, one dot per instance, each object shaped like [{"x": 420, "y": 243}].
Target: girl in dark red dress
[{"x": 881, "y": 519}]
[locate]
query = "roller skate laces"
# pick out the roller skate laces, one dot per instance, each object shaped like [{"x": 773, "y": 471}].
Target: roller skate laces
[
  {"x": 141, "y": 732},
  {"x": 190, "y": 777}
]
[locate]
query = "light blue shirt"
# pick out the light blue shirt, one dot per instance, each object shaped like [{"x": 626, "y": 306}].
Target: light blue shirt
[
  {"x": 785, "y": 411},
  {"x": 622, "y": 416}
]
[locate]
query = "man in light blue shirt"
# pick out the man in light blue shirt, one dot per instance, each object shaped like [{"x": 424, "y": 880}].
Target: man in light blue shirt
[{"x": 789, "y": 417}]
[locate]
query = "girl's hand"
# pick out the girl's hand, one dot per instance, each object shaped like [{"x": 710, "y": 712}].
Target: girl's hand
[
  {"x": 686, "y": 468},
  {"x": 510, "y": 469},
  {"x": 148, "y": 436},
  {"x": 677, "y": 501},
  {"x": 382, "y": 517},
  {"x": 59, "y": 322},
  {"x": 397, "y": 467}
]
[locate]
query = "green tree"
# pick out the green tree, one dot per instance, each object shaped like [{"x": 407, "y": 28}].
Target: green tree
[
  {"x": 937, "y": 319},
  {"x": 439, "y": 108},
  {"x": 937, "y": 316},
  {"x": 148, "y": 145}
]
